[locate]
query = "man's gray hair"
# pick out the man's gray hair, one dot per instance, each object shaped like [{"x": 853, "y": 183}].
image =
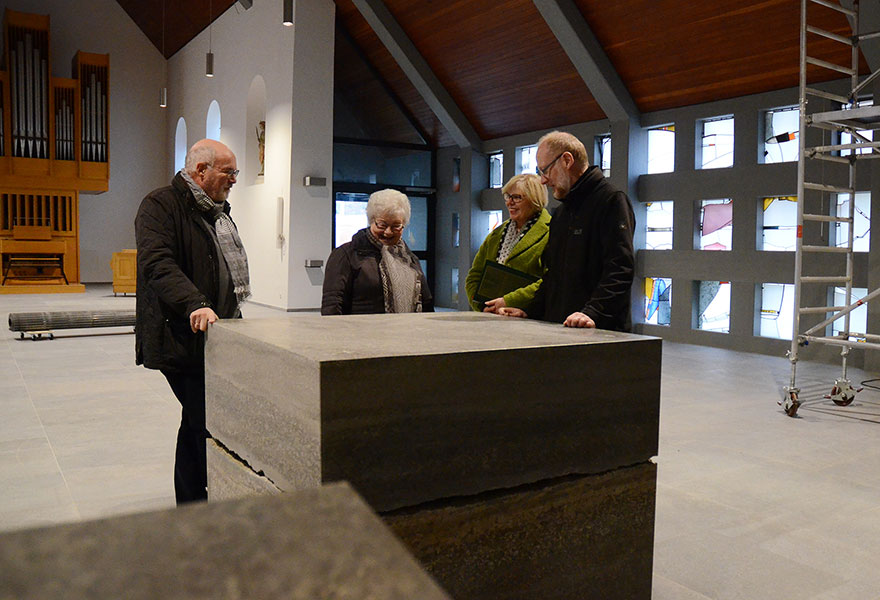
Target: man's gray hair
[
  {"x": 561, "y": 141},
  {"x": 388, "y": 203},
  {"x": 199, "y": 153}
]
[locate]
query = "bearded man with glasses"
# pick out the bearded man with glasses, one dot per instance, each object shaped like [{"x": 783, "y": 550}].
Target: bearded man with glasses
[
  {"x": 191, "y": 270},
  {"x": 589, "y": 257}
]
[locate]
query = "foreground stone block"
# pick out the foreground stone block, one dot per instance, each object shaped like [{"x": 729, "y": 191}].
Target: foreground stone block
[
  {"x": 411, "y": 408},
  {"x": 322, "y": 543}
]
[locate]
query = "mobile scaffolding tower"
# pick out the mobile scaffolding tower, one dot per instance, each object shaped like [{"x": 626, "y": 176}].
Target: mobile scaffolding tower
[{"x": 846, "y": 117}]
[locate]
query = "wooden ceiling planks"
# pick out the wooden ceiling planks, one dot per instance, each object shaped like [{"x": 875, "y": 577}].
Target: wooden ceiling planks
[
  {"x": 499, "y": 61},
  {"x": 184, "y": 19},
  {"x": 671, "y": 53},
  {"x": 508, "y": 74}
]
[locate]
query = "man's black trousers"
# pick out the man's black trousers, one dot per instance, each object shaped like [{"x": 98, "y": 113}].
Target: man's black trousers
[{"x": 190, "y": 465}]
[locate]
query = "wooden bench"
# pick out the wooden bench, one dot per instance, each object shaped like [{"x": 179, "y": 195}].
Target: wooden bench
[{"x": 34, "y": 262}]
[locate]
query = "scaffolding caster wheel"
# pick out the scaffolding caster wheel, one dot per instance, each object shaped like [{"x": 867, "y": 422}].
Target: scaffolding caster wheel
[
  {"x": 790, "y": 402},
  {"x": 843, "y": 393}
]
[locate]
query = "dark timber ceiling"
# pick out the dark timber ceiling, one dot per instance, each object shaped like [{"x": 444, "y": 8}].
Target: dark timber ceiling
[{"x": 508, "y": 74}]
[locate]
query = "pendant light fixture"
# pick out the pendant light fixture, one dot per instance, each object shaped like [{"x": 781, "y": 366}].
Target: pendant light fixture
[
  {"x": 287, "y": 19},
  {"x": 209, "y": 58},
  {"x": 163, "y": 93}
]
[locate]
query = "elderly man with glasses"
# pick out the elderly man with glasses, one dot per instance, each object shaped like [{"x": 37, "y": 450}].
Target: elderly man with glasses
[
  {"x": 589, "y": 257},
  {"x": 191, "y": 270}
]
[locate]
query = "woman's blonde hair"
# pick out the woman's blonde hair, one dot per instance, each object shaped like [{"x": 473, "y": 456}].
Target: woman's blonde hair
[{"x": 530, "y": 187}]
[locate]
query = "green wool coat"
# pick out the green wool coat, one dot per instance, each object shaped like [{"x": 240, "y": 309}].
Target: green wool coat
[{"x": 525, "y": 256}]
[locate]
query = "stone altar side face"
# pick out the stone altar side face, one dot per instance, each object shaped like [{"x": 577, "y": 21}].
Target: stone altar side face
[
  {"x": 418, "y": 407},
  {"x": 568, "y": 539},
  {"x": 320, "y": 543}
]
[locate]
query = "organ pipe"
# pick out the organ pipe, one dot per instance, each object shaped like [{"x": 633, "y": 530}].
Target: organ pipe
[
  {"x": 48, "y": 116},
  {"x": 29, "y": 92}
]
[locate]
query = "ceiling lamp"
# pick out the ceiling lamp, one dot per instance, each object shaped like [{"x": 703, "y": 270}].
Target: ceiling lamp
[
  {"x": 209, "y": 58},
  {"x": 163, "y": 93},
  {"x": 287, "y": 20}
]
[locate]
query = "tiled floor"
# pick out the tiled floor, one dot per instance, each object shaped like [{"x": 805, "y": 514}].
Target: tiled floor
[{"x": 751, "y": 504}]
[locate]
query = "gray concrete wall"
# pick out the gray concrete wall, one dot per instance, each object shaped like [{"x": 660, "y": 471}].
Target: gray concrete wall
[{"x": 746, "y": 182}]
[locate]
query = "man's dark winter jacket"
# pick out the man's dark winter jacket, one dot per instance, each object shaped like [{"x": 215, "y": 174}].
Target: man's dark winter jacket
[
  {"x": 177, "y": 273},
  {"x": 589, "y": 258},
  {"x": 352, "y": 283}
]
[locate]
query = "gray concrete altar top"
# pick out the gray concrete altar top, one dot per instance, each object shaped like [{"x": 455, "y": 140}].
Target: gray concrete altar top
[
  {"x": 352, "y": 337},
  {"x": 318, "y": 543}
]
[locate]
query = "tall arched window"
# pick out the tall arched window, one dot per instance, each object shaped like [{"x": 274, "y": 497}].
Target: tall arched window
[
  {"x": 212, "y": 123},
  {"x": 179, "y": 145}
]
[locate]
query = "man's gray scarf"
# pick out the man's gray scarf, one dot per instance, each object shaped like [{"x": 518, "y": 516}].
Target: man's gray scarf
[
  {"x": 227, "y": 237},
  {"x": 401, "y": 284}
]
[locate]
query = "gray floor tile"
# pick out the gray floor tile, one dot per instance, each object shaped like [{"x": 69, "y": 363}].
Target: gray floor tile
[
  {"x": 724, "y": 568},
  {"x": 665, "y": 589},
  {"x": 750, "y": 505}
]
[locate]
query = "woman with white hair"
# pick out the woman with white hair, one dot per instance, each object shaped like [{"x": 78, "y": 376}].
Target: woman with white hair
[{"x": 376, "y": 272}]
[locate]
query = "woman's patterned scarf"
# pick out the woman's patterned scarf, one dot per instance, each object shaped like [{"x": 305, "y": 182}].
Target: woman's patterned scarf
[{"x": 401, "y": 284}]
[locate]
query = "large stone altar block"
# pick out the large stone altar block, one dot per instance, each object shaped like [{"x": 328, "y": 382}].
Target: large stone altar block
[
  {"x": 320, "y": 543},
  {"x": 465, "y": 414}
]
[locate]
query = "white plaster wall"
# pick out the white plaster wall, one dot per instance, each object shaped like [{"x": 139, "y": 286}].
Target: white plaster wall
[
  {"x": 247, "y": 44},
  {"x": 137, "y": 145}
]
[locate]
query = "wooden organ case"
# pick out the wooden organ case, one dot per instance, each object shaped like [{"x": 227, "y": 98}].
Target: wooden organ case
[{"x": 53, "y": 146}]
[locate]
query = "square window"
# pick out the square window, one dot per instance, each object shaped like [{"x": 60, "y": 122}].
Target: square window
[
  {"x": 779, "y": 143},
  {"x": 496, "y": 218},
  {"x": 496, "y": 169},
  {"x": 713, "y": 306},
  {"x": 661, "y": 149},
  {"x": 861, "y": 221},
  {"x": 658, "y": 300},
  {"x": 716, "y": 137},
  {"x": 779, "y": 223},
  {"x": 351, "y": 215},
  {"x": 858, "y": 318},
  {"x": 777, "y": 310},
  {"x": 603, "y": 153},
  {"x": 716, "y": 224},
  {"x": 526, "y": 160},
  {"x": 658, "y": 222}
]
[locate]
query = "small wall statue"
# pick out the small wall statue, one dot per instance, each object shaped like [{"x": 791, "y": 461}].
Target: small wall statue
[{"x": 261, "y": 142}]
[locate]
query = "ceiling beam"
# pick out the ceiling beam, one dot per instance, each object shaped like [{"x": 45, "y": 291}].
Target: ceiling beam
[
  {"x": 869, "y": 22},
  {"x": 419, "y": 72},
  {"x": 589, "y": 58}
]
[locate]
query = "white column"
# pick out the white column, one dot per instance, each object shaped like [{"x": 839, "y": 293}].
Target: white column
[{"x": 310, "y": 208}]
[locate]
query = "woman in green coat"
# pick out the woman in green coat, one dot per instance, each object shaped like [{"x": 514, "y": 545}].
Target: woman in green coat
[{"x": 518, "y": 242}]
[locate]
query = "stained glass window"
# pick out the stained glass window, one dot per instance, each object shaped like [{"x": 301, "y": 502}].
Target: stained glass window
[
  {"x": 716, "y": 224},
  {"x": 717, "y": 143},
  {"x": 658, "y": 300},
  {"x": 713, "y": 306}
]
